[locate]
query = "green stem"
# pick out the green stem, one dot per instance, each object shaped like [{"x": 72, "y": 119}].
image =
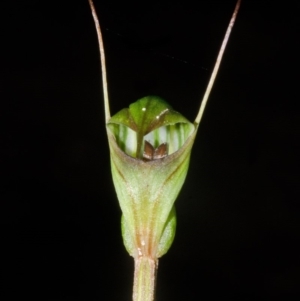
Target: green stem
[{"x": 144, "y": 279}]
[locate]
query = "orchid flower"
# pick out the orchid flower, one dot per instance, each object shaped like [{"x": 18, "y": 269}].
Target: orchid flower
[{"x": 150, "y": 146}]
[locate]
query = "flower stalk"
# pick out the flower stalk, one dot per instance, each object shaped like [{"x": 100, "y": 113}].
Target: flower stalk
[
  {"x": 150, "y": 146},
  {"x": 145, "y": 269}
]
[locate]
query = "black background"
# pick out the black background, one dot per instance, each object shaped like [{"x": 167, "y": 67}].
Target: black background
[{"x": 238, "y": 213}]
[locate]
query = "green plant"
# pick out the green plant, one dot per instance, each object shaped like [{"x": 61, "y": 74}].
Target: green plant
[{"x": 150, "y": 146}]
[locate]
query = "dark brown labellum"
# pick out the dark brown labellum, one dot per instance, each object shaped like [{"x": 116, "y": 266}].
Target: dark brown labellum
[{"x": 151, "y": 153}]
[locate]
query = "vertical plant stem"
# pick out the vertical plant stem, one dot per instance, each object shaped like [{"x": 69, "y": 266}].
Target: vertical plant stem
[{"x": 144, "y": 278}]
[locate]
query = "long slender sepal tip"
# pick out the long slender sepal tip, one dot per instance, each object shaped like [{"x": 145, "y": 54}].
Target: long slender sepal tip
[
  {"x": 217, "y": 64},
  {"x": 102, "y": 58}
]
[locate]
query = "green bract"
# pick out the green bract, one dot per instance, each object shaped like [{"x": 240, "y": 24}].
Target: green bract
[{"x": 150, "y": 146}]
